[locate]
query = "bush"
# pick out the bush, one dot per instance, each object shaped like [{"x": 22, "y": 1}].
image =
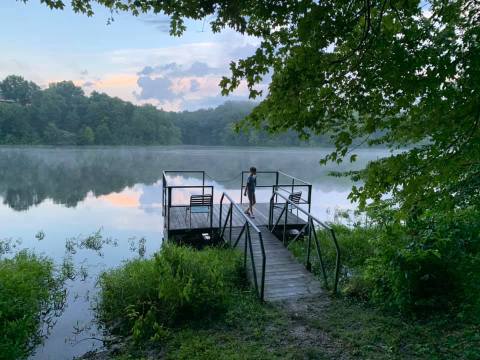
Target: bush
[
  {"x": 29, "y": 296},
  {"x": 432, "y": 264},
  {"x": 145, "y": 297}
]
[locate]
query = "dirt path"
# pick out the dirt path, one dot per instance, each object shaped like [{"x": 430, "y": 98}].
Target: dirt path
[{"x": 305, "y": 328}]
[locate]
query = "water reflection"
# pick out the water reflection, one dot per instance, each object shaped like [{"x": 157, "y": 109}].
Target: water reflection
[{"x": 67, "y": 176}]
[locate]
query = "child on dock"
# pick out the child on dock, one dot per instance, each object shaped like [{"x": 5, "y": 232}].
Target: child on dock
[{"x": 250, "y": 190}]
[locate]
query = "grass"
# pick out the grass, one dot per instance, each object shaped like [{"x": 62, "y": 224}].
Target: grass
[
  {"x": 30, "y": 295},
  {"x": 368, "y": 333}
]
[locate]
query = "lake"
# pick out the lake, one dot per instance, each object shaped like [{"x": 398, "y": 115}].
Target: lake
[{"x": 66, "y": 194}]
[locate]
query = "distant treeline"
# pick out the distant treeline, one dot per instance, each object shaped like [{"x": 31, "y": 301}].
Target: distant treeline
[{"x": 63, "y": 115}]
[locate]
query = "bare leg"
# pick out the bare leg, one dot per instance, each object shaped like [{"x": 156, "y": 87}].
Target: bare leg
[{"x": 252, "y": 203}]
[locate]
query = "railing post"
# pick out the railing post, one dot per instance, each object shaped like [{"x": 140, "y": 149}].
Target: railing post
[
  {"x": 169, "y": 204},
  {"x": 309, "y": 198},
  {"x": 241, "y": 190},
  {"x": 285, "y": 224},
  {"x": 270, "y": 215},
  {"x": 337, "y": 261},
  {"x": 231, "y": 219},
  {"x": 246, "y": 240},
  {"x": 262, "y": 291},
  {"x": 308, "y": 263},
  {"x": 220, "y": 214}
]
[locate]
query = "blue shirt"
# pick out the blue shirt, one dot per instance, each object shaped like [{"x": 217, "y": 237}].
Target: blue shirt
[{"x": 251, "y": 183}]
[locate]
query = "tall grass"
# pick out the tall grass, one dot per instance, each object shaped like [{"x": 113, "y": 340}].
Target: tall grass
[
  {"x": 144, "y": 297},
  {"x": 31, "y": 294}
]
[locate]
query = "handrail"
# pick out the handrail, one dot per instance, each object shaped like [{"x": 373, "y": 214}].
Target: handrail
[
  {"x": 167, "y": 192},
  {"x": 304, "y": 212},
  {"x": 311, "y": 233},
  {"x": 293, "y": 177},
  {"x": 276, "y": 184},
  {"x": 246, "y": 229}
]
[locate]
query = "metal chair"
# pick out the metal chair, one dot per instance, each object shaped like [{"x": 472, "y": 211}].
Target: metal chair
[
  {"x": 199, "y": 204},
  {"x": 295, "y": 198}
]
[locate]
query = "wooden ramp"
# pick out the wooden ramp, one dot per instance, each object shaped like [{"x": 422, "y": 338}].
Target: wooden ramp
[{"x": 285, "y": 277}]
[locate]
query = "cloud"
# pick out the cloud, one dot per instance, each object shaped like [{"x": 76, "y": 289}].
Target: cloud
[
  {"x": 161, "y": 23},
  {"x": 173, "y": 69},
  {"x": 158, "y": 88},
  {"x": 194, "y": 85},
  {"x": 175, "y": 77},
  {"x": 242, "y": 52},
  {"x": 147, "y": 70}
]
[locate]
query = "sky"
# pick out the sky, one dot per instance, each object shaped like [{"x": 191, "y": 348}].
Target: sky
[{"x": 133, "y": 58}]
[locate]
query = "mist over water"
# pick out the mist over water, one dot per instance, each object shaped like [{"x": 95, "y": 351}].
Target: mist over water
[{"x": 71, "y": 193}]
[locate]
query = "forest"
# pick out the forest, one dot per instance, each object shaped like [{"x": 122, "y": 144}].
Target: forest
[{"x": 62, "y": 114}]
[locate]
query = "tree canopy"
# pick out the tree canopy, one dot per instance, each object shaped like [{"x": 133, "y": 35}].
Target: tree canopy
[
  {"x": 410, "y": 69},
  {"x": 62, "y": 114}
]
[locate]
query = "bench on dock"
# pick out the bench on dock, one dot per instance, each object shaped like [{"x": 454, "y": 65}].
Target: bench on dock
[{"x": 200, "y": 204}]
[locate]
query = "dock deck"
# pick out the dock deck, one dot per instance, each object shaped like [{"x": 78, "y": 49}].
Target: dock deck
[{"x": 180, "y": 218}]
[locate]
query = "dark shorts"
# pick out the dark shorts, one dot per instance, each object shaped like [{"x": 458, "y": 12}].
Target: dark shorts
[{"x": 251, "y": 197}]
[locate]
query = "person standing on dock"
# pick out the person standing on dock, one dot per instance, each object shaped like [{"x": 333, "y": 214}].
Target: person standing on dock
[{"x": 250, "y": 190}]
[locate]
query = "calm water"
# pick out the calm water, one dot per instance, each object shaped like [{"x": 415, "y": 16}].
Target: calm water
[{"x": 74, "y": 192}]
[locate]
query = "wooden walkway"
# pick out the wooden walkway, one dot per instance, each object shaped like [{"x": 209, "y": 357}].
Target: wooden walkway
[
  {"x": 180, "y": 219},
  {"x": 285, "y": 277}
]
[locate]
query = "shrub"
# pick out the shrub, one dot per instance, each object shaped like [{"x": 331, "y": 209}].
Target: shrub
[
  {"x": 145, "y": 297},
  {"x": 30, "y": 293},
  {"x": 433, "y": 264},
  {"x": 131, "y": 288}
]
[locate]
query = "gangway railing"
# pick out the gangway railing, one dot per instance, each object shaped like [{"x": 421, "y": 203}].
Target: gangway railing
[
  {"x": 247, "y": 229},
  {"x": 309, "y": 229},
  {"x": 168, "y": 190},
  {"x": 282, "y": 181}
]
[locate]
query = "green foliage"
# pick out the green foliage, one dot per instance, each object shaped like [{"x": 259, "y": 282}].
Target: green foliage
[
  {"x": 196, "y": 284},
  {"x": 16, "y": 88},
  {"x": 127, "y": 290},
  {"x": 430, "y": 265},
  {"x": 87, "y": 136},
  {"x": 30, "y": 295},
  {"x": 368, "y": 333},
  {"x": 145, "y": 297},
  {"x": 63, "y": 115}
]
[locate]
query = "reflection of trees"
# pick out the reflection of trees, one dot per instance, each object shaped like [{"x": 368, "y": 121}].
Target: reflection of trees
[{"x": 28, "y": 176}]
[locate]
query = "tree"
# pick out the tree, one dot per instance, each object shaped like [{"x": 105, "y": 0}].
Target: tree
[
  {"x": 87, "y": 136},
  {"x": 16, "y": 88},
  {"x": 409, "y": 70}
]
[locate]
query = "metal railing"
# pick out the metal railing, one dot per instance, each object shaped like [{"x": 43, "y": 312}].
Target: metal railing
[
  {"x": 290, "y": 185},
  {"x": 309, "y": 230},
  {"x": 246, "y": 230},
  {"x": 167, "y": 190}
]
